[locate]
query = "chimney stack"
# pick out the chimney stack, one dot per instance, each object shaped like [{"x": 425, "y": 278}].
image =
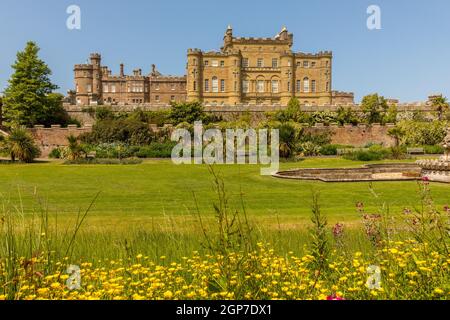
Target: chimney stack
[{"x": 122, "y": 74}]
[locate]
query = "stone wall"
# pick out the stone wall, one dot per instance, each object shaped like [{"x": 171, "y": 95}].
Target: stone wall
[
  {"x": 230, "y": 113},
  {"x": 50, "y": 138},
  {"x": 357, "y": 136}
]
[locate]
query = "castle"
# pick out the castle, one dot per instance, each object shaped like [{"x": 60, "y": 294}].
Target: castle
[{"x": 254, "y": 71}]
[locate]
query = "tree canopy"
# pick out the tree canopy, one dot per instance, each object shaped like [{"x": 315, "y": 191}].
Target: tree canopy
[{"x": 29, "y": 97}]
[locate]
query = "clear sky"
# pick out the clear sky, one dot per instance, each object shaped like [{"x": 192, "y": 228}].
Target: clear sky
[{"x": 409, "y": 58}]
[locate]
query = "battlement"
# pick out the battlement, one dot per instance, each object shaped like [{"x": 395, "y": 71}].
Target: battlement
[
  {"x": 95, "y": 55},
  {"x": 320, "y": 54},
  {"x": 195, "y": 51},
  {"x": 83, "y": 66}
]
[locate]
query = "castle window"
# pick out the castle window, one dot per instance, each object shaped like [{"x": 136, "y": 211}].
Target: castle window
[
  {"x": 215, "y": 63},
  {"x": 245, "y": 86},
  {"x": 207, "y": 85},
  {"x": 260, "y": 63},
  {"x": 274, "y": 63},
  {"x": 215, "y": 84},
  {"x": 235, "y": 63},
  {"x": 172, "y": 98},
  {"x": 313, "y": 86},
  {"x": 235, "y": 86},
  {"x": 289, "y": 86},
  {"x": 313, "y": 64},
  {"x": 260, "y": 86},
  {"x": 222, "y": 64},
  {"x": 157, "y": 86},
  {"x": 327, "y": 87},
  {"x": 299, "y": 64},
  {"x": 245, "y": 62},
  {"x": 105, "y": 88},
  {"x": 172, "y": 86},
  {"x": 299, "y": 86},
  {"x": 157, "y": 98},
  {"x": 222, "y": 85},
  {"x": 194, "y": 86},
  {"x": 206, "y": 63},
  {"x": 89, "y": 88},
  {"x": 305, "y": 64},
  {"x": 274, "y": 86},
  {"x": 306, "y": 85}
]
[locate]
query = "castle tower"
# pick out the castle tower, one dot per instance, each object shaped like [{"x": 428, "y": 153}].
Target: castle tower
[
  {"x": 194, "y": 75},
  {"x": 97, "y": 89},
  {"x": 234, "y": 77},
  {"x": 83, "y": 83}
]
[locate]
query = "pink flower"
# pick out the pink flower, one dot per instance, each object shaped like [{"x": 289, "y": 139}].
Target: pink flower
[{"x": 338, "y": 230}]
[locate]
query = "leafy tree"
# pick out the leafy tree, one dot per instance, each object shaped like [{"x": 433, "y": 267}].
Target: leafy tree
[
  {"x": 293, "y": 106},
  {"x": 346, "y": 116},
  {"x": 422, "y": 133},
  {"x": 391, "y": 115},
  {"x": 28, "y": 98},
  {"x": 441, "y": 105},
  {"x": 374, "y": 106},
  {"x": 20, "y": 145},
  {"x": 292, "y": 113},
  {"x": 187, "y": 112},
  {"x": 1, "y": 106}
]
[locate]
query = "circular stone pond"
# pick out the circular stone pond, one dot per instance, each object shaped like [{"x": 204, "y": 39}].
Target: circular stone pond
[{"x": 369, "y": 172}]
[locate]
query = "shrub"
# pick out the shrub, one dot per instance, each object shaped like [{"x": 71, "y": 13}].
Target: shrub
[
  {"x": 289, "y": 138},
  {"x": 332, "y": 149},
  {"x": 436, "y": 149},
  {"x": 156, "y": 150},
  {"x": 346, "y": 116},
  {"x": 422, "y": 133},
  {"x": 374, "y": 153},
  {"x": 127, "y": 161},
  {"x": 310, "y": 149},
  {"x": 127, "y": 131},
  {"x": 319, "y": 139},
  {"x": 189, "y": 112},
  {"x": 55, "y": 153},
  {"x": 121, "y": 151}
]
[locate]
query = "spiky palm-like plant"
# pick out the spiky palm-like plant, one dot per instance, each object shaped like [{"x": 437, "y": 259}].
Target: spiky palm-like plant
[{"x": 20, "y": 145}]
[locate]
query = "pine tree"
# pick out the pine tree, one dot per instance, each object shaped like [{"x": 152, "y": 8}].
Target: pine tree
[{"x": 28, "y": 99}]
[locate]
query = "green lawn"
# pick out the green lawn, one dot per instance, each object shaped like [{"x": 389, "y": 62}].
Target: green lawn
[{"x": 155, "y": 190}]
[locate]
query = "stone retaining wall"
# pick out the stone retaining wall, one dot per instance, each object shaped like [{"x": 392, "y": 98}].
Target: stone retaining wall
[{"x": 50, "y": 138}]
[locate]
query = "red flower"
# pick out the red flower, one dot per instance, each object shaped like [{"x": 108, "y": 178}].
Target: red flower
[{"x": 334, "y": 297}]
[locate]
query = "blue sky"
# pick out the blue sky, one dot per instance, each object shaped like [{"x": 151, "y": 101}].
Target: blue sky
[{"x": 408, "y": 59}]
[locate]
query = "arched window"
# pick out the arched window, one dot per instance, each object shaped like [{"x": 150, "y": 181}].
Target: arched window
[
  {"x": 215, "y": 84},
  {"x": 306, "y": 85}
]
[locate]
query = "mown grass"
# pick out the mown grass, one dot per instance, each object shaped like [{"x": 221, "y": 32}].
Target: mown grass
[{"x": 144, "y": 194}]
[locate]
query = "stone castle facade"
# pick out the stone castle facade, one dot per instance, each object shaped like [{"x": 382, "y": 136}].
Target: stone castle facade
[{"x": 255, "y": 71}]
